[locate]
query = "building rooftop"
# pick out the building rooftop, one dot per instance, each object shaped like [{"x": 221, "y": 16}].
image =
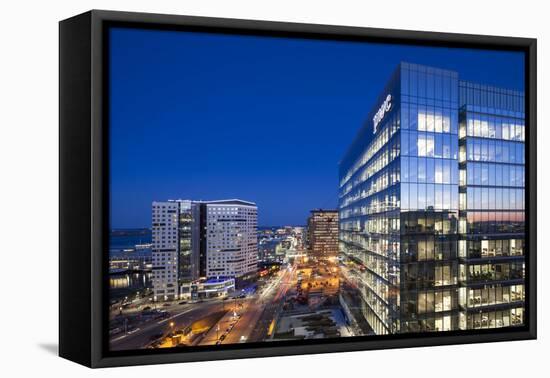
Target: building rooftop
[
  {"x": 324, "y": 211},
  {"x": 230, "y": 202},
  {"x": 233, "y": 201}
]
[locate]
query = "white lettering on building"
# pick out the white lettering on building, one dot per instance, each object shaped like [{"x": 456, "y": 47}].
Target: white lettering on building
[{"x": 386, "y": 106}]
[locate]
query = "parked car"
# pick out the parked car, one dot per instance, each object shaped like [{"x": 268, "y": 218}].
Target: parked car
[
  {"x": 115, "y": 331},
  {"x": 162, "y": 315}
]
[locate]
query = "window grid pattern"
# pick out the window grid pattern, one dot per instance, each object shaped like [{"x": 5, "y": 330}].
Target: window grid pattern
[
  {"x": 492, "y": 203},
  {"x": 429, "y": 199}
]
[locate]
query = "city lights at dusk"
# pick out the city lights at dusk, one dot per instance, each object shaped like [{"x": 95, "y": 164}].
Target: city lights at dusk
[{"x": 306, "y": 190}]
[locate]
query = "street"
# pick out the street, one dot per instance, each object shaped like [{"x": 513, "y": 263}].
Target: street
[{"x": 299, "y": 287}]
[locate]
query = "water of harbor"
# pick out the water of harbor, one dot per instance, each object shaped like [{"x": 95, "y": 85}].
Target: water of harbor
[
  {"x": 122, "y": 246},
  {"x": 129, "y": 284}
]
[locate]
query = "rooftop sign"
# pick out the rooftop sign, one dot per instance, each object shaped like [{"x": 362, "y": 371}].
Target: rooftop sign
[{"x": 386, "y": 106}]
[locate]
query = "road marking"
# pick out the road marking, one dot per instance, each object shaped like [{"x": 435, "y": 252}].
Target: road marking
[
  {"x": 119, "y": 338},
  {"x": 151, "y": 326},
  {"x": 174, "y": 316}
]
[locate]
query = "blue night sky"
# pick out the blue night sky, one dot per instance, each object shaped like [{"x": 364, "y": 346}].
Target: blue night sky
[{"x": 206, "y": 116}]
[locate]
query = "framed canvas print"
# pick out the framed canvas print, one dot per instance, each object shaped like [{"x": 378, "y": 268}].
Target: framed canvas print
[{"x": 234, "y": 188}]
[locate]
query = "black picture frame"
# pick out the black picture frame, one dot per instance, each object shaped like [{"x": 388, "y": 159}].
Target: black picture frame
[{"x": 84, "y": 170}]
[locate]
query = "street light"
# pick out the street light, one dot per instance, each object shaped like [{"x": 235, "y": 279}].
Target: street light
[{"x": 171, "y": 328}]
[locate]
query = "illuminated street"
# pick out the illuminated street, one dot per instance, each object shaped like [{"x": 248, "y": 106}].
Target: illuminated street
[
  {"x": 302, "y": 286},
  {"x": 296, "y": 293}
]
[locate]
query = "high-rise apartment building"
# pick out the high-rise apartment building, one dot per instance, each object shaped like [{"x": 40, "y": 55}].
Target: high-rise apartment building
[
  {"x": 174, "y": 255},
  {"x": 200, "y": 240},
  {"x": 431, "y": 205},
  {"x": 323, "y": 233},
  {"x": 231, "y": 239}
]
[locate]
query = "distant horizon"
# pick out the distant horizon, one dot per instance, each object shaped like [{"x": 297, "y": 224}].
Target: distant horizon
[
  {"x": 149, "y": 228},
  {"x": 269, "y": 125}
]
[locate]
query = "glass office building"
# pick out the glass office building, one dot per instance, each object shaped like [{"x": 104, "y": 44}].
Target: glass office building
[
  {"x": 492, "y": 207},
  {"x": 405, "y": 226}
]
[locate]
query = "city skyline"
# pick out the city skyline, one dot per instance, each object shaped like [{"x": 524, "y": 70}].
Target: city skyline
[
  {"x": 319, "y": 94},
  {"x": 428, "y": 235}
]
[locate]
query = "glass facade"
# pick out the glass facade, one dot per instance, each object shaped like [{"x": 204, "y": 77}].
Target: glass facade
[
  {"x": 185, "y": 226},
  {"x": 429, "y": 199},
  {"x": 492, "y": 207},
  {"x": 419, "y": 194},
  {"x": 369, "y": 215}
]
